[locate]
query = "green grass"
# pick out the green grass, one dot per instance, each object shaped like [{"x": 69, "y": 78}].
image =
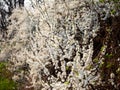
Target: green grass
[{"x": 6, "y": 82}]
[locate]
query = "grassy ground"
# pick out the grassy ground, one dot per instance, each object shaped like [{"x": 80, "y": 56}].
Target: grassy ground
[{"x": 6, "y": 82}]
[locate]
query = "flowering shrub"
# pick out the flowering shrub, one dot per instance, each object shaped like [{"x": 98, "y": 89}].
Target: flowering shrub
[{"x": 63, "y": 45}]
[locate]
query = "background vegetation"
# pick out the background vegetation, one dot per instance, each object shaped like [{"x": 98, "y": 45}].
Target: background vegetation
[{"x": 62, "y": 45}]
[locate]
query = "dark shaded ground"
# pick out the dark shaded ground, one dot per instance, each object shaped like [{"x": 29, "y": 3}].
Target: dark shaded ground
[{"x": 109, "y": 35}]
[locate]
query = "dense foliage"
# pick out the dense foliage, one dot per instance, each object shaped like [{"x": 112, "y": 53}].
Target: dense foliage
[{"x": 60, "y": 44}]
